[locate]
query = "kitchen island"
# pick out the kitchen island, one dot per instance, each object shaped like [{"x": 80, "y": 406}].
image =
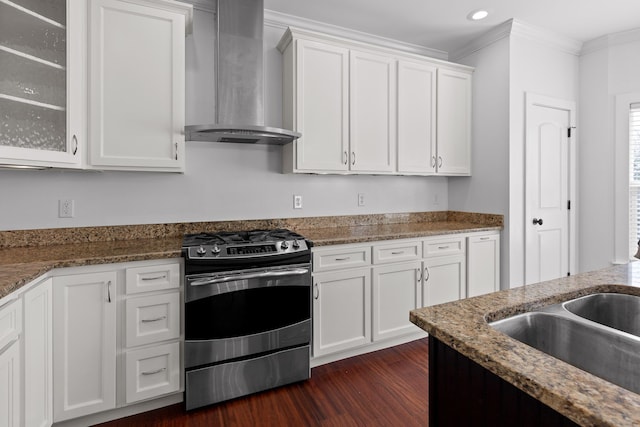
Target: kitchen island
[{"x": 481, "y": 375}]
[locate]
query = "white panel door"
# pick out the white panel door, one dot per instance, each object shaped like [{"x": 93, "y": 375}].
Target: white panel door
[
  {"x": 372, "y": 107},
  {"x": 396, "y": 291},
  {"x": 444, "y": 279},
  {"x": 416, "y": 118},
  {"x": 10, "y": 385},
  {"x": 547, "y": 188},
  {"x": 322, "y": 113},
  {"x": 454, "y": 122},
  {"x": 136, "y": 84},
  {"x": 84, "y": 314},
  {"x": 38, "y": 355},
  {"x": 341, "y": 310}
]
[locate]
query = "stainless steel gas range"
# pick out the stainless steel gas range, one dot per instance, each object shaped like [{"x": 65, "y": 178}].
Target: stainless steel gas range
[{"x": 247, "y": 313}]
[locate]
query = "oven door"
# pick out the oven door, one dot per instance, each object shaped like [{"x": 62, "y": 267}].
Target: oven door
[{"x": 230, "y": 315}]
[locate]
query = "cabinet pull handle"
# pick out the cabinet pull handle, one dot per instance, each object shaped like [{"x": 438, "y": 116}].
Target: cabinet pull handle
[
  {"x": 164, "y": 276},
  {"x": 346, "y": 158},
  {"x": 397, "y": 253},
  {"x": 426, "y": 270},
  {"x": 343, "y": 259},
  {"x": 75, "y": 144},
  {"x": 316, "y": 292},
  {"x": 443, "y": 247},
  {"x": 9, "y": 344},
  {"x": 440, "y": 159},
  {"x": 109, "y": 291},
  {"x": 484, "y": 238},
  {"x": 153, "y": 320},
  {"x": 176, "y": 151},
  {"x": 418, "y": 275},
  {"x": 157, "y": 371},
  {"x": 433, "y": 161},
  {"x": 9, "y": 301},
  {"x": 353, "y": 157}
]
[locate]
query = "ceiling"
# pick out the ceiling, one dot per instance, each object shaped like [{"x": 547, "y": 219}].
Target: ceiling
[{"x": 443, "y": 24}]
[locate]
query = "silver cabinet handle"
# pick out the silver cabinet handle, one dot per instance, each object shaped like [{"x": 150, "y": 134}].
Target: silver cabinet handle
[
  {"x": 440, "y": 159},
  {"x": 484, "y": 238},
  {"x": 426, "y": 270},
  {"x": 343, "y": 259},
  {"x": 164, "y": 276},
  {"x": 443, "y": 247},
  {"x": 316, "y": 292},
  {"x": 433, "y": 161},
  {"x": 157, "y": 371},
  {"x": 346, "y": 158},
  {"x": 9, "y": 344},
  {"x": 353, "y": 157},
  {"x": 109, "y": 291},
  {"x": 157, "y": 319},
  {"x": 176, "y": 151},
  {"x": 397, "y": 253},
  {"x": 9, "y": 301},
  {"x": 75, "y": 144},
  {"x": 418, "y": 275}
]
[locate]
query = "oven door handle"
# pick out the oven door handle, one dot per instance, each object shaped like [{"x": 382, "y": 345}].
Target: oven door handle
[{"x": 245, "y": 276}]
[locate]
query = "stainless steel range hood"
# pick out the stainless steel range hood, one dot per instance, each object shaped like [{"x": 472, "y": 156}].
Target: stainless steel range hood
[{"x": 239, "y": 79}]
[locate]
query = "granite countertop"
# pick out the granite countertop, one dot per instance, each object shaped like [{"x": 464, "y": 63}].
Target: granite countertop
[
  {"x": 27, "y": 254},
  {"x": 580, "y": 396}
]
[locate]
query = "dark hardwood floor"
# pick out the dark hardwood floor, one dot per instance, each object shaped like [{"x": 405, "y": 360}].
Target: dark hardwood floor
[{"x": 384, "y": 388}]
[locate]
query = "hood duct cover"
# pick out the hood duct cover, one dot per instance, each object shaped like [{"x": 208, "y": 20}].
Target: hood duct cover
[{"x": 239, "y": 79}]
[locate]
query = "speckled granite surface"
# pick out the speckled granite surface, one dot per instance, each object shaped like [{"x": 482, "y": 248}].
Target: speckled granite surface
[
  {"x": 582, "y": 397},
  {"x": 27, "y": 254}
]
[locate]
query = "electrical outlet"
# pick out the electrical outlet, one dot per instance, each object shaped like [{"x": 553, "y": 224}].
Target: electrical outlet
[
  {"x": 360, "y": 199},
  {"x": 297, "y": 201},
  {"x": 66, "y": 208}
]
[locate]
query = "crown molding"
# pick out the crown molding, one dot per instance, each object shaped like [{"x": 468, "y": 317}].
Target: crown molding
[
  {"x": 283, "y": 21},
  {"x": 610, "y": 40},
  {"x": 203, "y": 5},
  {"x": 495, "y": 34}
]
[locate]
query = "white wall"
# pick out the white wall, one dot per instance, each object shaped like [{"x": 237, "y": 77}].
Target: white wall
[
  {"x": 487, "y": 190},
  {"x": 608, "y": 68},
  {"x": 222, "y": 181}
]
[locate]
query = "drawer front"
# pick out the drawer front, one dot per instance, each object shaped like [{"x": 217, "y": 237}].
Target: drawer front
[
  {"x": 151, "y": 319},
  {"x": 442, "y": 247},
  {"x": 396, "y": 252},
  {"x": 338, "y": 258},
  {"x": 153, "y": 278},
  {"x": 10, "y": 321},
  {"x": 152, "y": 372}
]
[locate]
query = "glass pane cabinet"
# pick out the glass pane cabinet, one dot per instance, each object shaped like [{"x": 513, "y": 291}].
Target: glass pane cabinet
[{"x": 39, "y": 85}]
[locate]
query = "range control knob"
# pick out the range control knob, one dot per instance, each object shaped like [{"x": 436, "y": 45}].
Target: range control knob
[
  {"x": 215, "y": 250},
  {"x": 284, "y": 245},
  {"x": 296, "y": 244},
  {"x": 201, "y": 251}
]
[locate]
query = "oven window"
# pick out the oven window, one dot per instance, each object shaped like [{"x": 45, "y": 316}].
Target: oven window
[{"x": 246, "y": 312}]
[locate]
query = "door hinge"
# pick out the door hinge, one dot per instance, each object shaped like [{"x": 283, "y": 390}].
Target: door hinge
[
  {"x": 568, "y": 204},
  {"x": 569, "y": 131}
]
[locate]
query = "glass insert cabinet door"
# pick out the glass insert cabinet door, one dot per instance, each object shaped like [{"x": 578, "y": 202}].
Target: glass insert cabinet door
[{"x": 35, "y": 81}]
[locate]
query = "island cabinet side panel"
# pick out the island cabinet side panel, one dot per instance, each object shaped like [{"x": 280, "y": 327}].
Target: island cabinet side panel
[{"x": 461, "y": 392}]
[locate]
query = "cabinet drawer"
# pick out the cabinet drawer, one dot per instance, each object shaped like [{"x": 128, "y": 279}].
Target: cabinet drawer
[
  {"x": 395, "y": 252},
  {"x": 152, "y": 372},
  {"x": 153, "y": 278},
  {"x": 338, "y": 258},
  {"x": 446, "y": 246},
  {"x": 10, "y": 320},
  {"x": 152, "y": 318}
]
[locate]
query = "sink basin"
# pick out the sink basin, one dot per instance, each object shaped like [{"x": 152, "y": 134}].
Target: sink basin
[
  {"x": 617, "y": 311},
  {"x": 599, "y": 350}
]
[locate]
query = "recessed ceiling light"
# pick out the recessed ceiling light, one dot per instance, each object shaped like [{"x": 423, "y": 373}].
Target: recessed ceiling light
[{"x": 477, "y": 15}]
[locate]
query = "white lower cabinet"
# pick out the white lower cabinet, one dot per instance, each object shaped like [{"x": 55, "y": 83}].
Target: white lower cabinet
[
  {"x": 483, "y": 264},
  {"x": 341, "y": 310},
  {"x": 152, "y": 371},
  {"x": 444, "y": 280},
  {"x": 38, "y": 355},
  {"x": 396, "y": 291},
  {"x": 84, "y": 344},
  {"x": 10, "y": 362}
]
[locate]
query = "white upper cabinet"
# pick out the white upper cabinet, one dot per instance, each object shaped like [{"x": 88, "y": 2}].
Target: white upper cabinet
[
  {"x": 321, "y": 93},
  {"x": 416, "y": 118},
  {"x": 372, "y": 112},
  {"x": 454, "y": 122},
  {"x": 42, "y": 83},
  {"x": 364, "y": 109},
  {"x": 136, "y": 84}
]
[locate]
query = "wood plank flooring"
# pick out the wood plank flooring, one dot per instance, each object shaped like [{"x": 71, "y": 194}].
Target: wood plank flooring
[{"x": 384, "y": 388}]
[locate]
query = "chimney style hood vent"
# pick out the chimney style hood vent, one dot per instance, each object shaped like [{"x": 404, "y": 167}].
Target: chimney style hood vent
[{"x": 239, "y": 79}]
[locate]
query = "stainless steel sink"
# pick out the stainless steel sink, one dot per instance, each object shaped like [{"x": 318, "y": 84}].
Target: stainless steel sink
[
  {"x": 617, "y": 311},
  {"x": 600, "y": 350}
]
